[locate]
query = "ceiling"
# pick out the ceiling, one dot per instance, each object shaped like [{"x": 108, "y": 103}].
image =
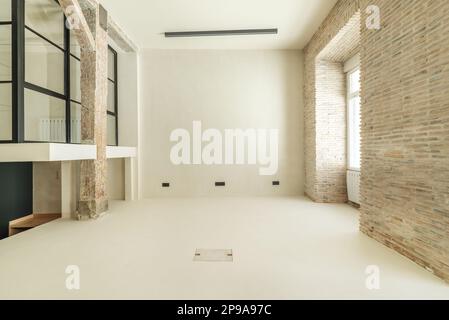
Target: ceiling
[{"x": 145, "y": 20}]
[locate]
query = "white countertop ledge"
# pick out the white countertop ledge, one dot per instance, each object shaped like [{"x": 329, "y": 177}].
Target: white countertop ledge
[
  {"x": 46, "y": 152},
  {"x": 121, "y": 152}
]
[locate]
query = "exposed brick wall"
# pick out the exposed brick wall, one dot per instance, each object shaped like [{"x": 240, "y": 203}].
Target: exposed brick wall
[
  {"x": 405, "y": 131},
  {"x": 405, "y": 125},
  {"x": 325, "y": 105}
]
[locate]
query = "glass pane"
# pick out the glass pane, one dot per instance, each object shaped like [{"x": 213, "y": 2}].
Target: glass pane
[
  {"x": 111, "y": 65},
  {"x": 5, "y": 10},
  {"x": 354, "y": 133},
  {"x": 44, "y": 117},
  {"x": 75, "y": 115},
  {"x": 74, "y": 45},
  {"x": 5, "y": 53},
  {"x": 111, "y": 131},
  {"x": 46, "y": 18},
  {"x": 5, "y": 112},
  {"x": 111, "y": 96},
  {"x": 44, "y": 63},
  {"x": 354, "y": 80},
  {"x": 75, "y": 79}
]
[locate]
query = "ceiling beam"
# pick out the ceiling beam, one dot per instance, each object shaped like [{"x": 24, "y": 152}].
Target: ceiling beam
[
  {"x": 120, "y": 37},
  {"x": 115, "y": 32}
]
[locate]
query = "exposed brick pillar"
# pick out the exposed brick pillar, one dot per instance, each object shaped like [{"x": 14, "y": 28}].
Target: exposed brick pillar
[{"x": 93, "y": 173}]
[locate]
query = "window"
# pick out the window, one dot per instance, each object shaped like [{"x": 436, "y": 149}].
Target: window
[
  {"x": 112, "y": 106},
  {"x": 45, "y": 96},
  {"x": 5, "y": 71},
  {"x": 42, "y": 103},
  {"x": 40, "y": 90},
  {"x": 75, "y": 90},
  {"x": 354, "y": 141}
]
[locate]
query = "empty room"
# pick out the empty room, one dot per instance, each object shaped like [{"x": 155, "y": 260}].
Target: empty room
[{"x": 238, "y": 150}]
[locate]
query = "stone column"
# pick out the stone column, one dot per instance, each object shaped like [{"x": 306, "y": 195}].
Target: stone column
[{"x": 94, "y": 89}]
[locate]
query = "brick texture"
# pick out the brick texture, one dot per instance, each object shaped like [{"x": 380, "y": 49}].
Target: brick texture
[
  {"x": 330, "y": 117},
  {"x": 325, "y": 102},
  {"x": 94, "y": 89},
  {"x": 405, "y": 131},
  {"x": 405, "y": 124}
]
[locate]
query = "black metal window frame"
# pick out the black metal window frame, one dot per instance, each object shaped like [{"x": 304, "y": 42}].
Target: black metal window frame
[
  {"x": 19, "y": 84},
  {"x": 18, "y": 73},
  {"x": 115, "y": 82},
  {"x": 10, "y": 81}
]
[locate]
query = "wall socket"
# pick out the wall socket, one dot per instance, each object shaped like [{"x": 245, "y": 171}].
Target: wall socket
[
  {"x": 220, "y": 184},
  {"x": 276, "y": 183},
  {"x": 165, "y": 185}
]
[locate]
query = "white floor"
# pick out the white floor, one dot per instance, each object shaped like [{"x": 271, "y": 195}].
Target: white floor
[{"x": 284, "y": 248}]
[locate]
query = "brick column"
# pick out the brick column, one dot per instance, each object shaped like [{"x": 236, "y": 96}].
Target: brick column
[{"x": 94, "y": 69}]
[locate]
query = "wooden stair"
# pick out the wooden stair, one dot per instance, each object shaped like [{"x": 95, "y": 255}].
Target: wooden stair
[{"x": 31, "y": 221}]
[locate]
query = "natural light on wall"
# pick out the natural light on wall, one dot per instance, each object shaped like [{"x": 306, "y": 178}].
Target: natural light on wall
[{"x": 354, "y": 119}]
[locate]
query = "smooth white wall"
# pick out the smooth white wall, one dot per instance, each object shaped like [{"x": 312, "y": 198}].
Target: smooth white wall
[
  {"x": 225, "y": 90},
  {"x": 128, "y": 121}
]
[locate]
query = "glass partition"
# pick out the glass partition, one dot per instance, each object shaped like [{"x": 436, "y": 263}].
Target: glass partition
[
  {"x": 40, "y": 89},
  {"x": 112, "y": 106},
  {"x": 44, "y": 117},
  {"x": 5, "y": 71},
  {"x": 5, "y": 10},
  {"x": 45, "y": 98}
]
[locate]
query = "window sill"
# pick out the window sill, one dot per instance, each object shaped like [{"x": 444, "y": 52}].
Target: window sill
[{"x": 113, "y": 152}]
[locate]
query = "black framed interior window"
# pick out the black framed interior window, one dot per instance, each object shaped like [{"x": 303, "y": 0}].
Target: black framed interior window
[
  {"x": 6, "y": 111},
  {"x": 112, "y": 105},
  {"x": 75, "y": 89},
  {"x": 40, "y": 76},
  {"x": 45, "y": 60}
]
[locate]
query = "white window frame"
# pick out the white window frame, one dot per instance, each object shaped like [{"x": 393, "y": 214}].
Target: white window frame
[{"x": 349, "y": 96}]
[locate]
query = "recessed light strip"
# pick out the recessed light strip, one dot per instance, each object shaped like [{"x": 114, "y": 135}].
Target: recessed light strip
[{"x": 215, "y": 33}]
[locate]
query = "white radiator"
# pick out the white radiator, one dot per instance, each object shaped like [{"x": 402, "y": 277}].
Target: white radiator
[
  {"x": 353, "y": 183},
  {"x": 53, "y": 130}
]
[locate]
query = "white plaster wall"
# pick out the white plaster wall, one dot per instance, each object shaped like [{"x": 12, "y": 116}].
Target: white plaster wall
[
  {"x": 46, "y": 187},
  {"x": 116, "y": 179},
  {"x": 225, "y": 90},
  {"x": 128, "y": 121}
]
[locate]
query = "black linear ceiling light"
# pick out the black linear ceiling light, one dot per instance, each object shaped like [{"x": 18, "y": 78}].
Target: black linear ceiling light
[{"x": 214, "y": 33}]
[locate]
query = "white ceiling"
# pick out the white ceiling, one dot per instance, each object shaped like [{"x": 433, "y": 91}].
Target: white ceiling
[{"x": 145, "y": 21}]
